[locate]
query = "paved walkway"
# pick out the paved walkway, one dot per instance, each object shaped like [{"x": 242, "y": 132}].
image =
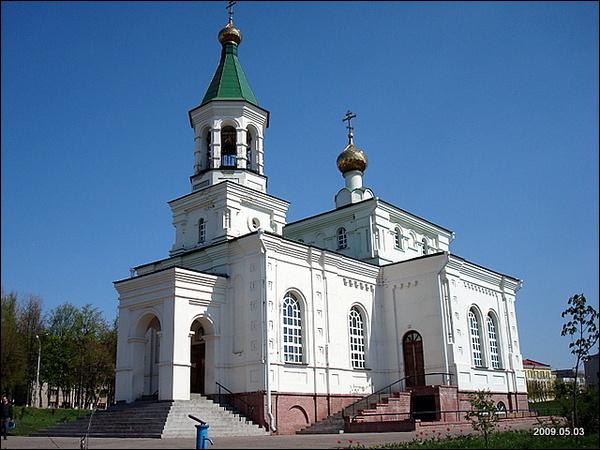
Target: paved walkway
[{"x": 293, "y": 441}]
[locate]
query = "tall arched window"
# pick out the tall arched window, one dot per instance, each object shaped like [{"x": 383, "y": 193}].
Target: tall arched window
[
  {"x": 248, "y": 150},
  {"x": 398, "y": 238},
  {"x": 201, "y": 230},
  {"x": 228, "y": 147},
  {"x": 357, "y": 338},
  {"x": 292, "y": 329},
  {"x": 493, "y": 338},
  {"x": 425, "y": 246},
  {"x": 475, "y": 339},
  {"x": 342, "y": 238}
]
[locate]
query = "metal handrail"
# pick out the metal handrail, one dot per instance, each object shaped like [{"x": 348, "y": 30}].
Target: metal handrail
[
  {"x": 435, "y": 416},
  {"x": 396, "y": 386},
  {"x": 249, "y": 409},
  {"x": 83, "y": 441},
  {"x": 514, "y": 412}
]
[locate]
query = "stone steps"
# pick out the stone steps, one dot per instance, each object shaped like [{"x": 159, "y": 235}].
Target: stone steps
[
  {"x": 148, "y": 419},
  {"x": 329, "y": 425},
  {"x": 221, "y": 421}
]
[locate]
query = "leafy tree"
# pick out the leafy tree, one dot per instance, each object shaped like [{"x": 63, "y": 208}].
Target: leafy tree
[
  {"x": 483, "y": 415},
  {"x": 581, "y": 327},
  {"x": 29, "y": 324},
  {"x": 12, "y": 355}
]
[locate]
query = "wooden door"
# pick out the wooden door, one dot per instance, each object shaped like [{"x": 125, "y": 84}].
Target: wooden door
[
  {"x": 414, "y": 365},
  {"x": 197, "y": 370}
]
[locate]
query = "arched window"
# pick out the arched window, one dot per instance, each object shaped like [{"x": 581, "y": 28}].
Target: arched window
[
  {"x": 292, "y": 329},
  {"x": 342, "y": 238},
  {"x": 201, "y": 230},
  {"x": 248, "y": 150},
  {"x": 475, "y": 339},
  {"x": 425, "y": 246},
  {"x": 398, "y": 238},
  {"x": 357, "y": 338},
  {"x": 493, "y": 338},
  {"x": 228, "y": 147}
]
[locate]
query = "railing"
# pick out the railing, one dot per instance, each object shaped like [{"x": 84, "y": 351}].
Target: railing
[
  {"x": 397, "y": 386},
  {"x": 227, "y": 398},
  {"x": 459, "y": 415},
  {"x": 228, "y": 161},
  {"x": 83, "y": 442}
]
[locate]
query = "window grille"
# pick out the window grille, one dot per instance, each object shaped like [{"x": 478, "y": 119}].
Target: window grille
[
  {"x": 398, "y": 238},
  {"x": 357, "y": 339},
  {"x": 342, "y": 239},
  {"x": 475, "y": 340},
  {"x": 494, "y": 354},
  {"x": 201, "y": 230},
  {"x": 292, "y": 329}
]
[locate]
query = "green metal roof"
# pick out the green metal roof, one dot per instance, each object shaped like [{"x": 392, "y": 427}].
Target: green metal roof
[{"x": 229, "y": 82}]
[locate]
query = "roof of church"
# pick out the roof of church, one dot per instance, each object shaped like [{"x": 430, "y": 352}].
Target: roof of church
[{"x": 229, "y": 82}]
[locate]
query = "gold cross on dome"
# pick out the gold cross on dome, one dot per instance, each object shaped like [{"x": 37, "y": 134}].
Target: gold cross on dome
[
  {"x": 347, "y": 118},
  {"x": 229, "y": 9}
]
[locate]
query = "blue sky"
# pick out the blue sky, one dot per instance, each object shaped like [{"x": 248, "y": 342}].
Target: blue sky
[{"x": 481, "y": 117}]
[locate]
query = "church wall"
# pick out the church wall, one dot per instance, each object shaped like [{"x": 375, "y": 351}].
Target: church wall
[
  {"x": 371, "y": 228},
  {"x": 327, "y": 292},
  {"x": 411, "y": 297},
  {"x": 321, "y": 231},
  {"x": 228, "y": 211},
  {"x": 471, "y": 287},
  {"x": 388, "y": 219}
]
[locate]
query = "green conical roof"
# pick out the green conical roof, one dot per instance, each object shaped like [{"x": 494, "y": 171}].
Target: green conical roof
[{"x": 229, "y": 82}]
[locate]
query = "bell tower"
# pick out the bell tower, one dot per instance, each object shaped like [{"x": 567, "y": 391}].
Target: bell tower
[
  {"x": 229, "y": 126},
  {"x": 229, "y": 188}
]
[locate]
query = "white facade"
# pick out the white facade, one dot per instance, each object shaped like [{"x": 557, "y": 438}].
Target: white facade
[{"x": 268, "y": 305}]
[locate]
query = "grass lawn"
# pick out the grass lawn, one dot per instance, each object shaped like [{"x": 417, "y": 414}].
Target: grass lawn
[
  {"x": 32, "y": 419},
  {"x": 509, "y": 440}
]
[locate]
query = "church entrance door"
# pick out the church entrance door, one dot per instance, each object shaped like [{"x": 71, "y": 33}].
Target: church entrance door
[
  {"x": 198, "y": 358},
  {"x": 414, "y": 366}
]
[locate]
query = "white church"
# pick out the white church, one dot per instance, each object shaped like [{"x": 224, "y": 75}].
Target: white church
[{"x": 305, "y": 318}]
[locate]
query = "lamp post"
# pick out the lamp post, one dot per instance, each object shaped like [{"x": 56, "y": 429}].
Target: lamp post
[{"x": 37, "y": 379}]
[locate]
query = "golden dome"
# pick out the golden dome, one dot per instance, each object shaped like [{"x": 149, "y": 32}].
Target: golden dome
[
  {"x": 230, "y": 35},
  {"x": 352, "y": 158}
]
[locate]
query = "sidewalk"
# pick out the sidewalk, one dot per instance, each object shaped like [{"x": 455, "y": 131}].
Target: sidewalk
[
  {"x": 258, "y": 442},
  {"x": 251, "y": 442}
]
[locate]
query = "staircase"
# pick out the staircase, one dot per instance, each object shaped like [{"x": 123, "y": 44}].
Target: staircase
[
  {"x": 158, "y": 419},
  {"x": 141, "y": 419},
  {"x": 330, "y": 425},
  {"x": 221, "y": 421},
  {"x": 391, "y": 412}
]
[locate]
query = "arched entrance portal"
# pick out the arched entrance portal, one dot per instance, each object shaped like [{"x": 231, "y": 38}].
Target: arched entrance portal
[
  {"x": 198, "y": 359},
  {"x": 151, "y": 357},
  {"x": 414, "y": 366}
]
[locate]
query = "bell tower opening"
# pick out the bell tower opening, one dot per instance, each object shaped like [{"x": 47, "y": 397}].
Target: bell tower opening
[{"x": 228, "y": 147}]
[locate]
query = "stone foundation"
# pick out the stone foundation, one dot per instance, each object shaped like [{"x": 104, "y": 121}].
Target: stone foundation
[{"x": 295, "y": 411}]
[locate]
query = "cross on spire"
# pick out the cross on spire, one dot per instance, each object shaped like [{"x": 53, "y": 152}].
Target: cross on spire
[
  {"x": 347, "y": 118},
  {"x": 229, "y": 9}
]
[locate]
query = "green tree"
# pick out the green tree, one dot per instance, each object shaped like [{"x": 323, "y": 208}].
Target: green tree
[
  {"x": 30, "y": 325},
  {"x": 12, "y": 354},
  {"x": 581, "y": 327},
  {"x": 62, "y": 350},
  {"x": 483, "y": 415}
]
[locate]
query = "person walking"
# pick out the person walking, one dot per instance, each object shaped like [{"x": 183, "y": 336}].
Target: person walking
[{"x": 6, "y": 410}]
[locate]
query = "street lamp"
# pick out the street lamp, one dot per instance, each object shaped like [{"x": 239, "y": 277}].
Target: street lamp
[{"x": 37, "y": 379}]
